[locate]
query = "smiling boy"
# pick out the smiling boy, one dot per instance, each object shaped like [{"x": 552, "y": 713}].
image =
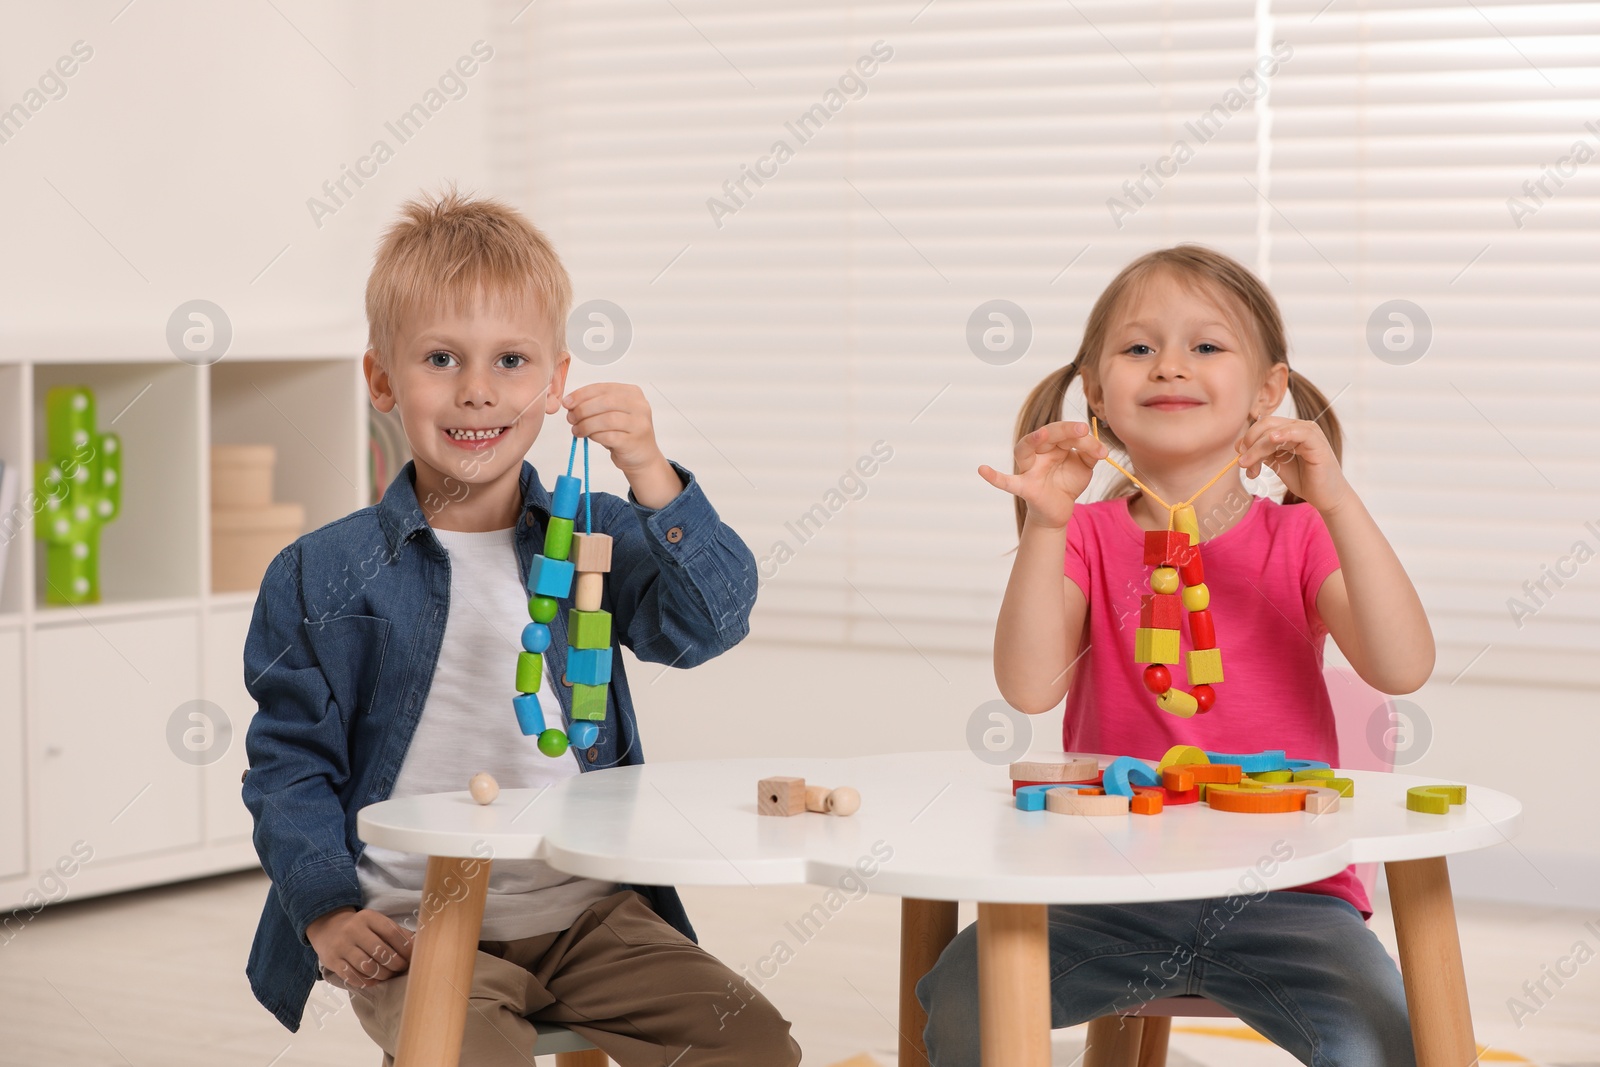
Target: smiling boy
[{"x": 382, "y": 651}]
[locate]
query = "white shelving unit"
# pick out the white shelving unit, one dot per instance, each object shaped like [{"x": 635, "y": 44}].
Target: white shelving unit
[{"x": 86, "y": 693}]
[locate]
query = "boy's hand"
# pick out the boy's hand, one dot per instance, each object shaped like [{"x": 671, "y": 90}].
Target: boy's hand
[
  {"x": 1054, "y": 465},
  {"x": 617, "y": 417},
  {"x": 362, "y": 947},
  {"x": 1299, "y": 453}
]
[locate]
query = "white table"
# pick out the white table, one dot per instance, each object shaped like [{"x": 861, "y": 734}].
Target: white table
[{"x": 955, "y": 835}]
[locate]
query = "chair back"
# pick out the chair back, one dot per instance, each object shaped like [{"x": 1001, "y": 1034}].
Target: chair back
[{"x": 1364, "y": 719}]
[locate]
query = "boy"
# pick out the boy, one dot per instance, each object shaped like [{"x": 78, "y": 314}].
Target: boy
[{"x": 382, "y": 656}]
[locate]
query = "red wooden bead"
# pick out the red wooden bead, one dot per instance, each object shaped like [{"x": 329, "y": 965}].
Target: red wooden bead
[
  {"x": 1202, "y": 630},
  {"x": 1160, "y": 611},
  {"x": 1163, "y": 545},
  {"x": 1205, "y": 696},
  {"x": 1191, "y": 570},
  {"x": 1157, "y": 678}
]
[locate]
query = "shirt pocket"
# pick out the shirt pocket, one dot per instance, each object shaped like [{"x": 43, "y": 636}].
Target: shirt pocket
[{"x": 350, "y": 650}]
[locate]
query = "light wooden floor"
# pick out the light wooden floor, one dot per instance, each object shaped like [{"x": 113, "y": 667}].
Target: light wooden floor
[{"x": 156, "y": 979}]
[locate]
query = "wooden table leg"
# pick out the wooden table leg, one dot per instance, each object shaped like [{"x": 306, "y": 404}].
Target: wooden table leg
[
  {"x": 926, "y": 927},
  {"x": 1014, "y": 985},
  {"x": 1430, "y": 962},
  {"x": 435, "y": 1015}
]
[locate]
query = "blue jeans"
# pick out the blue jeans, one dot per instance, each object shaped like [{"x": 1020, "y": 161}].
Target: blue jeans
[{"x": 1302, "y": 969}]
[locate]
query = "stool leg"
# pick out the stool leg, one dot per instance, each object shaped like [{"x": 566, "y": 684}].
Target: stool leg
[
  {"x": 435, "y": 1014},
  {"x": 1153, "y": 1045},
  {"x": 926, "y": 927},
  {"x": 1114, "y": 1041},
  {"x": 1430, "y": 962},
  {"x": 591, "y": 1058},
  {"x": 1014, "y": 985}
]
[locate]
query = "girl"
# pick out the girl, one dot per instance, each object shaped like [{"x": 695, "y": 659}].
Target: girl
[{"x": 1183, "y": 362}]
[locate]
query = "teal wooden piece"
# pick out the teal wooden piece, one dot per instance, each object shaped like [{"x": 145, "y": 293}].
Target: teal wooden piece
[
  {"x": 1273, "y": 759},
  {"x": 1031, "y": 797},
  {"x": 550, "y": 577},
  {"x": 589, "y": 666},
  {"x": 530, "y": 716},
  {"x": 81, "y": 484},
  {"x": 1122, "y": 773}
]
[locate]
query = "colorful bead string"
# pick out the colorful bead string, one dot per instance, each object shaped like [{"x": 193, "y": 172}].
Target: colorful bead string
[
  {"x": 1178, "y": 582},
  {"x": 581, "y": 559}
]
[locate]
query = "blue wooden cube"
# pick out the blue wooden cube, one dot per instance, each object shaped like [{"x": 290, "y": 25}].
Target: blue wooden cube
[
  {"x": 550, "y": 577},
  {"x": 589, "y": 666},
  {"x": 530, "y": 716},
  {"x": 564, "y": 501}
]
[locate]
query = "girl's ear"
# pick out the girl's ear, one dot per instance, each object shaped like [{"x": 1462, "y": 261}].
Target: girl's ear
[{"x": 1272, "y": 391}]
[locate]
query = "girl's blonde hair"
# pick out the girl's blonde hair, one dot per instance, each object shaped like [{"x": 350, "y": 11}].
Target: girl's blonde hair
[
  {"x": 443, "y": 248},
  {"x": 1222, "y": 276}
]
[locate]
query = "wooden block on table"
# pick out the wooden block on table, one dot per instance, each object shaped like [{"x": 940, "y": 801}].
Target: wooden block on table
[
  {"x": 589, "y": 701},
  {"x": 1069, "y": 768},
  {"x": 1177, "y": 778},
  {"x": 1146, "y": 802},
  {"x": 1182, "y": 754},
  {"x": 1204, "y": 667},
  {"x": 588, "y": 590},
  {"x": 1274, "y": 777},
  {"x": 591, "y": 552},
  {"x": 1435, "y": 799},
  {"x": 1151, "y": 645},
  {"x": 1260, "y": 800},
  {"x": 1320, "y": 800},
  {"x": 588, "y": 629},
  {"x": 1122, "y": 773},
  {"x": 1031, "y": 797},
  {"x": 781, "y": 796},
  {"x": 1160, "y": 611},
  {"x": 1272, "y": 759},
  {"x": 1081, "y": 802}
]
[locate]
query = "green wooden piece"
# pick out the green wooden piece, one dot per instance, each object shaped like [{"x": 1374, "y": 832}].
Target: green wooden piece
[
  {"x": 552, "y": 742},
  {"x": 589, "y": 702},
  {"x": 530, "y": 665},
  {"x": 81, "y": 484},
  {"x": 542, "y": 608},
  {"x": 588, "y": 629},
  {"x": 1274, "y": 777},
  {"x": 558, "y": 538}
]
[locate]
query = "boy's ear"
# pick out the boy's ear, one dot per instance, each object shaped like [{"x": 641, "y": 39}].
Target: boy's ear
[
  {"x": 379, "y": 387},
  {"x": 558, "y": 383}
]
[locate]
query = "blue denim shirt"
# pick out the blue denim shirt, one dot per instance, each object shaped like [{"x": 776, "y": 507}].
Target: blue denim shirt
[{"x": 341, "y": 652}]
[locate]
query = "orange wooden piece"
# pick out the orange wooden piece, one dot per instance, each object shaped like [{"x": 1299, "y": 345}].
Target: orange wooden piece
[
  {"x": 1145, "y": 802},
  {"x": 1255, "y": 801},
  {"x": 1221, "y": 773},
  {"x": 1179, "y": 778}
]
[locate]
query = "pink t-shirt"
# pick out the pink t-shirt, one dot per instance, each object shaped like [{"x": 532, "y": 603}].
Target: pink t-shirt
[{"x": 1264, "y": 573}]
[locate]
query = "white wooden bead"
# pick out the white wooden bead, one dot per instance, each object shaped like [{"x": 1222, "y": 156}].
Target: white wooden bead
[{"x": 483, "y": 787}]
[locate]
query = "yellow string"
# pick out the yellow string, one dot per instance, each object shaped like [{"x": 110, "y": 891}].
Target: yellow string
[{"x": 1171, "y": 508}]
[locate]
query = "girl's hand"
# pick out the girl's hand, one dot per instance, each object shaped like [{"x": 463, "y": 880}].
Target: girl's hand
[
  {"x": 1299, "y": 453},
  {"x": 362, "y": 947},
  {"x": 1054, "y": 465},
  {"x": 617, "y": 417}
]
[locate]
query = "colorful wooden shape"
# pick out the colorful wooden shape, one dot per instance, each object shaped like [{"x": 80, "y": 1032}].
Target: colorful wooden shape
[
  {"x": 1146, "y": 803},
  {"x": 1178, "y": 703},
  {"x": 549, "y": 577},
  {"x": 1079, "y": 802},
  {"x": 1274, "y": 777},
  {"x": 1307, "y": 765},
  {"x": 558, "y": 538},
  {"x": 841, "y": 801},
  {"x": 1021, "y": 783},
  {"x": 1182, "y": 754},
  {"x": 1070, "y": 767},
  {"x": 1157, "y": 678},
  {"x": 552, "y": 742},
  {"x": 1196, "y": 597},
  {"x": 1272, "y": 759},
  {"x": 1031, "y": 797},
  {"x": 1215, "y": 773},
  {"x": 1155, "y": 646},
  {"x": 591, "y": 552},
  {"x": 1185, "y": 521},
  {"x": 1173, "y": 797},
  {"x": 588, "y": 701},
  {"x": 1255, "y": 801},
  {"x": 1320, "y": 801},
  {"x": 542, "y": 609},
  {"x": 483, "y": 787},
  {"x": 584, "y": 733},
  {"x": 564, "y": 499},
  {"x": 1308, "y": 774},
  {"x": 1192, "y": 571},
  {"x": 1205, "y": 696},
  {"x": 1164, "y": 580},
  {"x": 588, "y": 629},
  {"x": 781, "y": 796},
  {"x": 588, "y": 590},
  {"x": 1121, "y": 773},
  {"x": 1345, "y": 786},
  {"x": 535, "y": 637},
  {"x": 1204, "y": 666},
  {"x": 530, "y": 668},
  {"x": 1177, "y": 778},
  {"x": 1160, "y": 612},
  {"x": 1164, "y": 546},
  {"x": 530, "y": 716},
  {"x": 589, "y": 666},
  {"x": 1202, "y": 629},
  {"x": 1435, "y": 799}
]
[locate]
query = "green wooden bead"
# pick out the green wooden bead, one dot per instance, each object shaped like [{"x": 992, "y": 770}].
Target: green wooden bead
[
  {"x": 552, "y": 742},
  {"x": 588, "y": 629},
  {"x": 542, "y": 608},
  {"x": 589, "y": 702},
  {"x": 1311, "y": 774},
  {"x": 558, "y": 538},
  {"x": 530, "y": 666}
]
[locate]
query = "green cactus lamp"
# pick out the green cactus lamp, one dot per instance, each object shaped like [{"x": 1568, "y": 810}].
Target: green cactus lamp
[{"x": 82, "y": 486}]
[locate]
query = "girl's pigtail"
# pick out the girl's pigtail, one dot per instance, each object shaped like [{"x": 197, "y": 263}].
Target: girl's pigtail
[
  {"x": 1042, "y": 407},
  {"x": 1309, "y": 403}
]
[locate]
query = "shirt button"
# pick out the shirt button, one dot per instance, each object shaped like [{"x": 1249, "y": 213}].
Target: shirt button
[
  {"x": 565, "y": 680},
  {"x": 675, "y": 534},
  {"x": 243, "y": 776},
  {"x": 592, "y": 755},
  {"x": 527, "y": 519}
]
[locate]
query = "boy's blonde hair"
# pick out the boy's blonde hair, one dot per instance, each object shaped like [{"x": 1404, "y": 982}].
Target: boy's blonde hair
[
  {"x": 443, "y": 248},
  {"x": 1241, "y": 295}
]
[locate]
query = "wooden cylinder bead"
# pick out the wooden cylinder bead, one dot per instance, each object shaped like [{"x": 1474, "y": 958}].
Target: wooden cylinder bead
[
  {"x": 1192, "y": 571},
  {"x": 1202, "y": 629},
  {"x": 1178, "y": 703},
  {"x": 1185, "y": 521},
  {"x": 586, "y": 597},
  {"x": 1164, "y": 580},
  {"x": 483, "y": 787},
  {"x": 1157, "y": 678},
  {"x": 817, "y": 798},
  {"x": 1204, "y": 697},
  {"x": 1196, "y": 597}
]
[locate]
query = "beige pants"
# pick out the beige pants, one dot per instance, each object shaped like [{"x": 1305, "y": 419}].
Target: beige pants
[{"x": 619, "y": 976}]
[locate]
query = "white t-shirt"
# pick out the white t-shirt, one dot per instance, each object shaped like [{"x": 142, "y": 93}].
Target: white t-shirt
[{"x": 468, "y": 725}]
